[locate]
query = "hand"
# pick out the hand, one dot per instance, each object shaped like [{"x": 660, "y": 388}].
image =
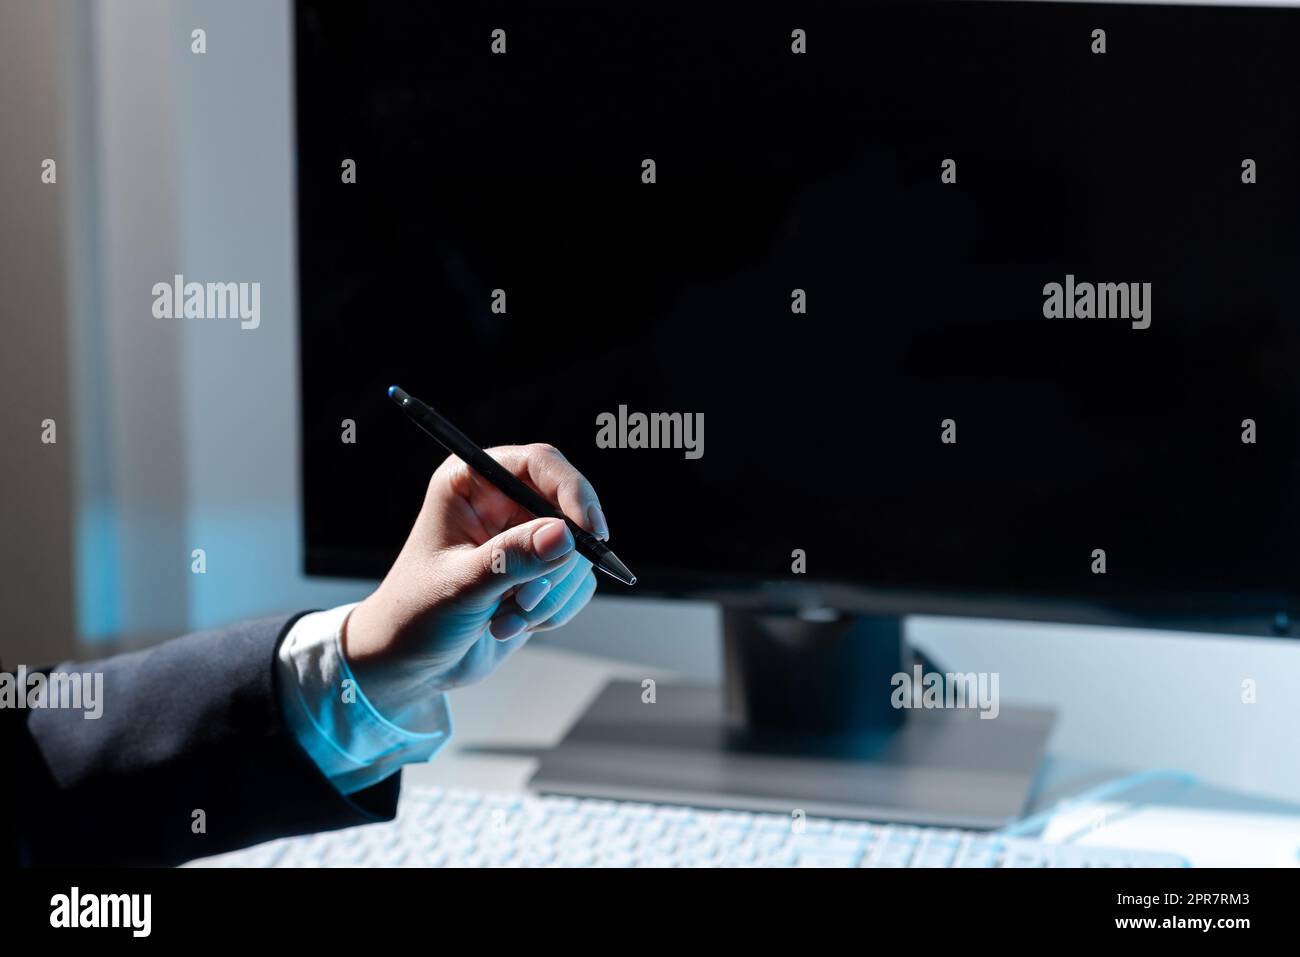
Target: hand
[{"x": 477, "y": 575}]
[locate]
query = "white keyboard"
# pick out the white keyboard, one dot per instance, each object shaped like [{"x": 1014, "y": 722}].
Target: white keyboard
[{"x": 436, "y": 828}]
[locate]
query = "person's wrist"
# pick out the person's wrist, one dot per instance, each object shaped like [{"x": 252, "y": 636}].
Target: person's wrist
[
  {"x": 394, "y": 690},
  {"x": 360, "y": 637}
]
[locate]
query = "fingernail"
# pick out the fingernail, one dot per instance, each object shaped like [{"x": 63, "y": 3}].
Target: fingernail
[
  {"x": 552, "y": 540},
  {"x": 530, "y": 594},
  {"x": 507, "y": 626},
  {"x": 597, "y": 519}
]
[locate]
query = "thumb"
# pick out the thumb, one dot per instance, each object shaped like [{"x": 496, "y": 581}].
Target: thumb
[{"x": 518, "y": 555}]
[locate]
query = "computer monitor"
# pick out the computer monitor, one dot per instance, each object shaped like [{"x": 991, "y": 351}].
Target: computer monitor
[{"x": 970, "y": 308}]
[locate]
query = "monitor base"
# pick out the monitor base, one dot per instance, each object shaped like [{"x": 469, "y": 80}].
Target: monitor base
[
  {"x": 940, "y": 768},
  {"x": 805, "y": 723}
]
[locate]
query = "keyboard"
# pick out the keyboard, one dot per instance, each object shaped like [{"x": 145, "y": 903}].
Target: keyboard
[{"x": 457, "y": 828}]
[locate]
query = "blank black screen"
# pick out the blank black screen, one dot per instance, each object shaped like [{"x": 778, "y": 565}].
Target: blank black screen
[{"x": 822, "y": 172}]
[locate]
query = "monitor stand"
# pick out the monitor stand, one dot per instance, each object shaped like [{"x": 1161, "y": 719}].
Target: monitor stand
[{"x": 805, "y": 722}]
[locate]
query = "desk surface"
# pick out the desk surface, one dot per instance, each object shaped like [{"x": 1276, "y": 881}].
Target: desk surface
[
  {"x": 533, "y": 699},
  {"x": 530, "y": 701}
]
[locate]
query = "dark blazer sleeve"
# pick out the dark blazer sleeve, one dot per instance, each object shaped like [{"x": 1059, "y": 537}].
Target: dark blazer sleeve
[{"x": 192, "y": 724}]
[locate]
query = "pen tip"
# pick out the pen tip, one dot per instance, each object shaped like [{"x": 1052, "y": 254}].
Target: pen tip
[
  {"x": 610, "y": 565},
  {"x": 392, "y": 391}
]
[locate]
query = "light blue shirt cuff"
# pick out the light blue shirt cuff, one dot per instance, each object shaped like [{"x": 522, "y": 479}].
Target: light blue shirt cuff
[{"x": 345, "y": 735}]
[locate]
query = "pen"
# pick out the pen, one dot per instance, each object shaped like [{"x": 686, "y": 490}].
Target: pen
[{"x": 459, "y": 444}]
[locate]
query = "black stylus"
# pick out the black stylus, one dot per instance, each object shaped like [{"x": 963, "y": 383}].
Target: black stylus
[{"x": 459, "y": 444}]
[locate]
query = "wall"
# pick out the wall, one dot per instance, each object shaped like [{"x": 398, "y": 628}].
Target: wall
[{"x": 36, "y": 479}]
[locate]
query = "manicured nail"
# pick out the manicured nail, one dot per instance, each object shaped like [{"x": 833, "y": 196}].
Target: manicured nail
[
  {"x": 507, "y": 626},
  {"x": 552, "y": 540},
  {"x": 597, "y": 519},
  {"x": 530, "y": 594}
]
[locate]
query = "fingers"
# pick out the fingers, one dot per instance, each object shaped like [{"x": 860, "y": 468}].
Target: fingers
[
  {"x": 543, "y": 467},
  {"x": 529, "y": 595},
  {"x": 516, "y": 556},
  {"x": 539, "y": 599},
  {"x": 577, "y": 601}
]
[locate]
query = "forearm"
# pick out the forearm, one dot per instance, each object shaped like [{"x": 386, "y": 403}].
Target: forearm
[{"x": 191, "y": 756}]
